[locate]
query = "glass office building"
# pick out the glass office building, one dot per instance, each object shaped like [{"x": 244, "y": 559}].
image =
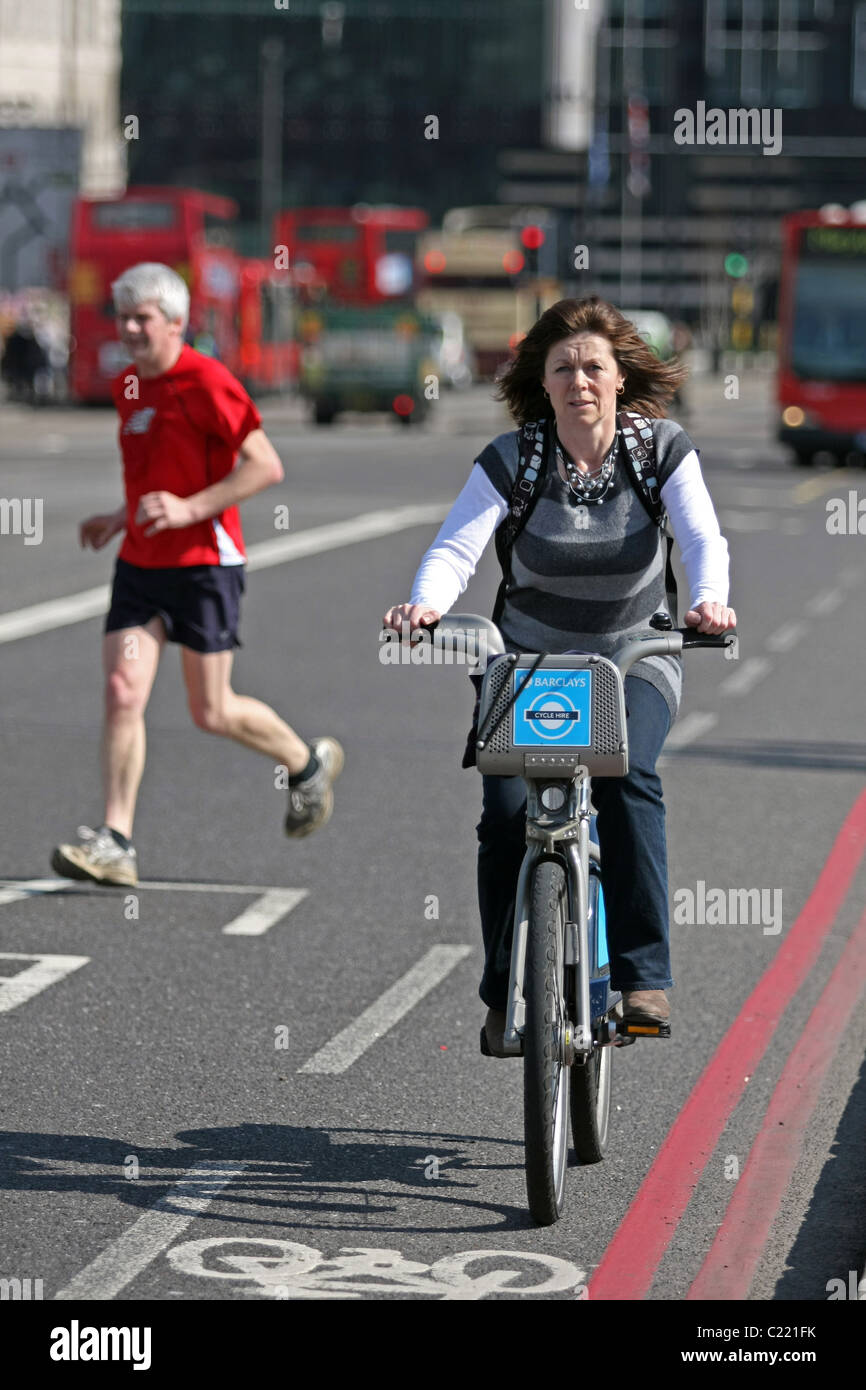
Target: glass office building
[{"x": 340, "y": 97}]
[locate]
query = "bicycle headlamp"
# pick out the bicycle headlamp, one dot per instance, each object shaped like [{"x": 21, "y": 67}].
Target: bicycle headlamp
[{"x": 553, "y": 798}]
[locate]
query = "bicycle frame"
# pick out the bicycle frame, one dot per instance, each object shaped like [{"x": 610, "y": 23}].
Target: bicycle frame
[
  {"x": 557, "y": 721},
  {"x": 560, "y": 834}
]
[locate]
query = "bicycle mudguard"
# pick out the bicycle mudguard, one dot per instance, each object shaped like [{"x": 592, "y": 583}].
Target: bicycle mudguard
[{"x": 569, "y": 712}]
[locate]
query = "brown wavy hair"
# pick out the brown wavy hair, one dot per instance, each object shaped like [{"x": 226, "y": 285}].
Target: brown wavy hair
[{"x": 649, "y": 384}]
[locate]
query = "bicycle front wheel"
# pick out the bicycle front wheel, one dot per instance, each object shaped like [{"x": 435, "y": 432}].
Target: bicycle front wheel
[
  {"x": 590, "y": 1104},
  {"x": 545, "y": 1075}
]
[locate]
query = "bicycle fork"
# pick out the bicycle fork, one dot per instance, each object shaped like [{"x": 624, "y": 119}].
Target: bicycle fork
[{"x": 557, "y": 828}]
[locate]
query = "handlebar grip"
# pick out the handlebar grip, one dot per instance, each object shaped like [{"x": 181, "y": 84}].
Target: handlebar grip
[
  {"x": 662, "y": 622},
  {"x": 693, "y": 638}
]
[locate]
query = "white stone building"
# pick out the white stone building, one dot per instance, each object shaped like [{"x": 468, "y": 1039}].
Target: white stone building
[{"x": 60, "y": 67}]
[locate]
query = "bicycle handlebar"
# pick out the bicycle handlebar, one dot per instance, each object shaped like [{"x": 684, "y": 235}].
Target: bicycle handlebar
[
  {"x": 670, "y": 643},
  {"x": 455, "y": 631},
  {"x": 453, "y": 626}
]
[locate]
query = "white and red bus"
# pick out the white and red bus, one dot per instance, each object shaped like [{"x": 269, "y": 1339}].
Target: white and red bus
[{"x": 821, "y": 382}]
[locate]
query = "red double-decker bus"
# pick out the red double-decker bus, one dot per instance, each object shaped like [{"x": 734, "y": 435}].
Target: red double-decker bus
[
  {"x": 268, "y": 348},
  {"x": 363, "y": 255},
  {"x": 182, "y": 228},
  {"x": 821, "y": 383}
]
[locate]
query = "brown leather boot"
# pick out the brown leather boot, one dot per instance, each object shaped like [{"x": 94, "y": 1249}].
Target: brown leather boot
[
  {"x": 494, "y": 1027},
  {"x": 645, "y": 1006}
]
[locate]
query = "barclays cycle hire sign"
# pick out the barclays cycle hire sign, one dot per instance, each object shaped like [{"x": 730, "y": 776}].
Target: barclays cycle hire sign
[{"x": 554, "y": 709}]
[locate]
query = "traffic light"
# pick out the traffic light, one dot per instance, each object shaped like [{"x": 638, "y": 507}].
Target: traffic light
[
  {"x": 736, "y": 265},
  {"x": 742, "y": 302},
  {"x": 532, "y": 237},
  {"x": 532, "y": 240}
]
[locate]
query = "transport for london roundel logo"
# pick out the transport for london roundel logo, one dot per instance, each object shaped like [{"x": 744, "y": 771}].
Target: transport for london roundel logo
[{"x": 554, "y": 709}]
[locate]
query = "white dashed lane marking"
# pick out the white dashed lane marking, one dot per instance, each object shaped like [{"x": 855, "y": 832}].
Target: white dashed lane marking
[
  {"x": 690, "y": 727},
  {"x": 126, "y": 1257},
  {"x": 90, "y": 603},
  {"x": 349, "y": 1044},
  {"x": 786, "y": 637},
  {"x": 750, "y": 673},
  {"x": 823, "y": 603}
]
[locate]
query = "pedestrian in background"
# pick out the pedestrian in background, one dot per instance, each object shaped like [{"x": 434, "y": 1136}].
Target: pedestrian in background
[{"x": 179, "y": 576}]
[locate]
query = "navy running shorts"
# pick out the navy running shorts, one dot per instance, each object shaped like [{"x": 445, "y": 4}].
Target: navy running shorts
[{"x": 199, "y": 604}]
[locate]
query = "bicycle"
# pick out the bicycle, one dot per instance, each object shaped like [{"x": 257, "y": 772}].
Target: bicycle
[{"x": 557, "y": 721}]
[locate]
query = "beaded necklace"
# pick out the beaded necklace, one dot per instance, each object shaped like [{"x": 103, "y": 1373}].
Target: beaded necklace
[{"x": 589, "y": 487}]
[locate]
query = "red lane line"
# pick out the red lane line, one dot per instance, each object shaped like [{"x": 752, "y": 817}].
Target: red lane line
[
  {"x": 629, "y": 1264},
  {"x": 729, "y": 1268}
]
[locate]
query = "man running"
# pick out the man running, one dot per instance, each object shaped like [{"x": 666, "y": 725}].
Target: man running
[{"x": 180, "y": 570}]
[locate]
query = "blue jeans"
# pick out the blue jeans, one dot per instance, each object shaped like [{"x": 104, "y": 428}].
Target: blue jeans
[{"x": 631, "y": 833}]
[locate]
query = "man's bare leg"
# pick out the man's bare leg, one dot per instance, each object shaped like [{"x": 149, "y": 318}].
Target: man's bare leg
[
  {"x": 130, "y": 659},
  {"x": 216, "y": 708}
]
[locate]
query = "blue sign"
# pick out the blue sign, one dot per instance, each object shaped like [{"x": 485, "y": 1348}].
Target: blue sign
[{"x": 553, "y": 711}]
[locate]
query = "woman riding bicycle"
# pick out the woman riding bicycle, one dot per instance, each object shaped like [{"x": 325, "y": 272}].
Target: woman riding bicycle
[{"x": 586, "y": 571}]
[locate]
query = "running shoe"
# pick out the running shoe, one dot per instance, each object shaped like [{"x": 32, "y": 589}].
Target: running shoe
[
  {"x": 312, "y": 802},
  {"x": 97, "y": 857}
]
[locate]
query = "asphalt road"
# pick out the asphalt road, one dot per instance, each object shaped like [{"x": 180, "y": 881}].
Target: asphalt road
[{"x": 160, "y": 1138}]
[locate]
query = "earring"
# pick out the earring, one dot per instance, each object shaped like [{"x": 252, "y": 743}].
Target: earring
[{"x": 620, "y": 389}]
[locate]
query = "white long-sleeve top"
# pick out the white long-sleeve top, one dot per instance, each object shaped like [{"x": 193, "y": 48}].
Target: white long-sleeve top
[{"x": 450, "y": 563}]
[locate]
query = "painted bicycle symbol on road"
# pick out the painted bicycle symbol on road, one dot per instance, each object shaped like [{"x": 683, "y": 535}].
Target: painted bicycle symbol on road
[{"x": 286, "y": 1269}]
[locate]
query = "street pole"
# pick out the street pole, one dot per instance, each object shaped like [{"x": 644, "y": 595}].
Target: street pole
[{"x": 271, "y": 166}]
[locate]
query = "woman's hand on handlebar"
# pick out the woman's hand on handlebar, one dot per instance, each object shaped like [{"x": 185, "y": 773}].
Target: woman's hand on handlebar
[
  {"x": 415, "y": 614},
  {"x": 711, "y": 617}
]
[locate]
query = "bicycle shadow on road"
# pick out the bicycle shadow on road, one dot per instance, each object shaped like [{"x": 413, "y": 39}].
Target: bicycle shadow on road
[{"x": 293, "y": 1176}]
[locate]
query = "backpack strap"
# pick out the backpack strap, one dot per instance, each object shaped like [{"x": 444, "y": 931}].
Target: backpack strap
[
  {"x": 637, "y": 437},
  {"x": 533, "y": 447}
]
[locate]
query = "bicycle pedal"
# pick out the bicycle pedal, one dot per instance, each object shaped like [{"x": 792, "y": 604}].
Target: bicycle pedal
[{"x": 643, "y": 1030}]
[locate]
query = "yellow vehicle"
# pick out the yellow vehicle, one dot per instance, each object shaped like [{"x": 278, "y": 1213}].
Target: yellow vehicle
[{"x": 479, "y": 272}]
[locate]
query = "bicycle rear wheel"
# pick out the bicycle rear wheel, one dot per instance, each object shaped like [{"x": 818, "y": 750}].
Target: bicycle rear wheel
[
  {"x": 545, "y": 1077},
  {"x": 591, "y": 1080}
]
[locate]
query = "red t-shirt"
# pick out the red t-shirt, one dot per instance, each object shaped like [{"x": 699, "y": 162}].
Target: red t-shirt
[{"x": 180, "y": 432}]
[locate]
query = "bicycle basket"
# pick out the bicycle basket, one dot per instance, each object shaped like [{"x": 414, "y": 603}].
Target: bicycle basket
[{"x": 570, "y": 713}]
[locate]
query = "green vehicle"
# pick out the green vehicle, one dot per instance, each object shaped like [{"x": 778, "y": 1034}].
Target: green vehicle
[{"x": 368, "y": 358}]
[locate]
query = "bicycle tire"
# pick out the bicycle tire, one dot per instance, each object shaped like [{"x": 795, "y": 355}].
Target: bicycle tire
[
  {"x": 591, "y": 1081},
  {"x": 590, "y": 1092},
  {"x": 545, "y": 1077}
]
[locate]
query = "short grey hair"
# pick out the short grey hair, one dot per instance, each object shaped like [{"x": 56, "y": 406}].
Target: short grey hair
[{"x": 152, "y": 281}]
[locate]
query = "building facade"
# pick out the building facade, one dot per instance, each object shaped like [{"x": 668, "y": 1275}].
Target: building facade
[
  {"x": 60, "y": 69},
  {"x": 576, "y": 108}
]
